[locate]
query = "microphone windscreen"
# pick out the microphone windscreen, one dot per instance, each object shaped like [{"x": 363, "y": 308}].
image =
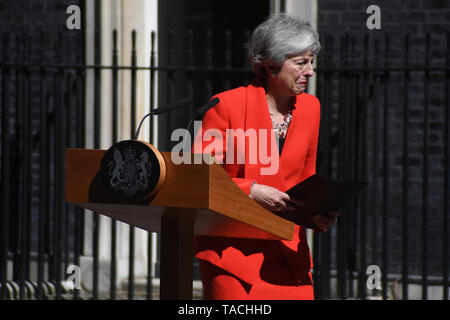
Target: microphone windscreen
[
  {"x": 210, "y": 104},
  {"x": 177, "y": 104}
]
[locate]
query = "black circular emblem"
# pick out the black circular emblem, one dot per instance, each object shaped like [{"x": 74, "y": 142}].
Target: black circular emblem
[{"x": 133, "y": 170}]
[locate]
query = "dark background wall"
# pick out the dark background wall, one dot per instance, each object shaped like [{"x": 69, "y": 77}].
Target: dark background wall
[
  {"x": 239, "y": 18},
  {"x": 20, "y": 14},
  {"x": 415, "y": 18},
  {"x": 34, "y": 17},
  {"x": 34, "y": 32},
  {"x": 397, "y": 16}
]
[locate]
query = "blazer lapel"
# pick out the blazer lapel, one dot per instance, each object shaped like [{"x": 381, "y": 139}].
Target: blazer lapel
[
  {"x": 258, "y": 117},
  {"x": 291, "y": 143}
]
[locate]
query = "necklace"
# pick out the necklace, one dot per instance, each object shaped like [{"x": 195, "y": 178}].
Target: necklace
[{"x": 280, "y": 129}]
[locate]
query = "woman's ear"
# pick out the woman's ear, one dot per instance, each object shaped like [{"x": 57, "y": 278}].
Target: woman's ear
[{"x": 271, "y": 69}]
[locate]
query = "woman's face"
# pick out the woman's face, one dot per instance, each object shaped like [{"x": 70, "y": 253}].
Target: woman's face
[{"x": 293, "y": 76}]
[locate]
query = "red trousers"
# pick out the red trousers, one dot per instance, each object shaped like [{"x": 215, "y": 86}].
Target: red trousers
[{"x": 219, "y": 284}]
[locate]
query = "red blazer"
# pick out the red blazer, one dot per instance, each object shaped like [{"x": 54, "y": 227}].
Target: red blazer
[{"x": 255, "y": 260}]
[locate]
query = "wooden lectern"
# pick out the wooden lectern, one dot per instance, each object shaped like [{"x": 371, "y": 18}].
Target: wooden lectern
[{"x": 195, "y": 199}]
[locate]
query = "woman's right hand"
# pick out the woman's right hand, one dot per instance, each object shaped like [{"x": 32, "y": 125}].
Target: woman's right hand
[{"x": 273, "y": 199}]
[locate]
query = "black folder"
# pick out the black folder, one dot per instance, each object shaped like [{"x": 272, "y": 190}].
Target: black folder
[{"x": 321, "y": 195}]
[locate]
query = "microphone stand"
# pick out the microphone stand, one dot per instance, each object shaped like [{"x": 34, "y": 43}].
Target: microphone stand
[
  {"x": 180, "y": 103},
  {"x": 166, "y": 108},
  {"x": 200, "y": 111}
]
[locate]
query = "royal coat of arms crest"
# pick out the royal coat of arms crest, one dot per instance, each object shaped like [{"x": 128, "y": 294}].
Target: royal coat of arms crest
[
  {"x": 131, "y": 169},
  {"x": 129, "y": 174}
]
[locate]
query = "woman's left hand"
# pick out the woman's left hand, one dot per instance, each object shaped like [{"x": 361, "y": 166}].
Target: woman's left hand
[{"x": 326, "y": 221}]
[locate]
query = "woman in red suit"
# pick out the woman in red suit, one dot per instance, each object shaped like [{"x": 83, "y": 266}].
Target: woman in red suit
[{"x": 282, "y": 51}]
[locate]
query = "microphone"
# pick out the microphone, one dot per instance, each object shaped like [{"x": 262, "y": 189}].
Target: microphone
[
  {"x": 210, "y": 104},
  {"x": 200, "y": 111},
  {"x": 166, "y": 108}
]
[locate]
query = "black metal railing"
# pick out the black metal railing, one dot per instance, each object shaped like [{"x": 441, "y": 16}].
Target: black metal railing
[
  {"x": 379, "y": 124},
  {"x": 42, "y": 112},
  {"x": 382, "y": 124}
]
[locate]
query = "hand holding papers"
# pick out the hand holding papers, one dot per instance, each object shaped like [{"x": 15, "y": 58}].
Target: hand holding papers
[{"x": 320, "y": 195}]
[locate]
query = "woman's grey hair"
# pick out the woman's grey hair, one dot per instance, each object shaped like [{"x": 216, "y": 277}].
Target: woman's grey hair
[{"x": 278, "y": 38}]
